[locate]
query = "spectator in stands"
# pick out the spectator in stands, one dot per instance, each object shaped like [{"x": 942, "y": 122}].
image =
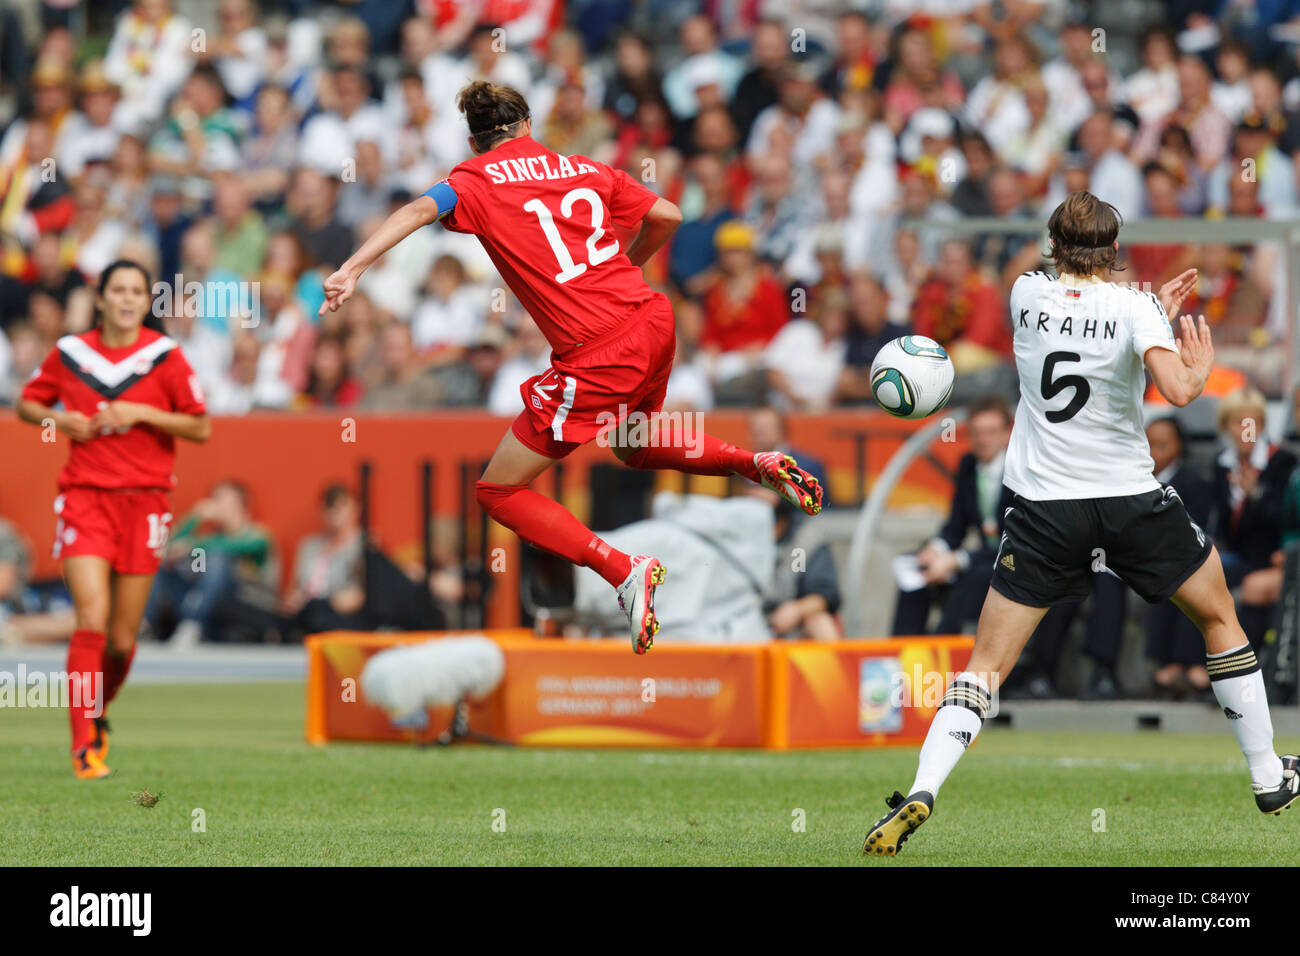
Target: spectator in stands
[
  {"x": 1251, "y": 475},
  {"x": 635, "y": 78},
  {"x": 403, "y": 381},
  {"x": 331, "y": 383},
  {"x": 768, "y": 429},
  {"x": 805, "y": 359},
  {"x": 1209, "y": 129},
  {"x": 148, "y": 58},
  {"x": 744, "y": 308},
  {"x": 1152, "y": 91},
  {"x": 238, "y": 50},
  {"x": 963, "y": 311},
  {"x": 326, "y": 590},
  {"x": 705, "y": 207},
  {"x": 1174, "y": 644},
  {"x": 1255, "y": 153},
  {"x": 215, "y": 548},
  {"x": 239, "y": 233},
  {"x": 703, "y": 58},
  {"x": 573, "y": 128},
  {"x": 269, "y": 151},
  {"x": 200, "y": 137},
  {"x": 801, "y": 116},
  {"x": 758, "y": 89},
  {"x": 957, "y": 577},
  {"x": 806, "y": 591},
  {"x": 310, "y": 204},
  {"x": 869, "y": 330}
]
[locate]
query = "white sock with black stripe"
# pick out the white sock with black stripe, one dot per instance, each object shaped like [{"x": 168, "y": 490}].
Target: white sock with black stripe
[
  {"x": 955, "y": 727},
  {"x": 1239, "y": 688}
]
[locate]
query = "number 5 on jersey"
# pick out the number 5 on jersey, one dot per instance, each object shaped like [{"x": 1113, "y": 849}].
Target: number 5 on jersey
[{"x": 596, "y": 254}]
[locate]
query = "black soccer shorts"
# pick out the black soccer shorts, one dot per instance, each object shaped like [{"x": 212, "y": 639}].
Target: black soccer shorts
[{"x": 1051, "y": 549}]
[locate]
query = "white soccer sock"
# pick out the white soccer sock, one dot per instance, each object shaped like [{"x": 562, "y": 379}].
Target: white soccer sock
[
  {"x": 1239, "y": 688},
  {"x": 955, "y": 727}
]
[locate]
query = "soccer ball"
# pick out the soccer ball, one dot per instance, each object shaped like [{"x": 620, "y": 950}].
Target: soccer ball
[{"x": 912, "y": 377}]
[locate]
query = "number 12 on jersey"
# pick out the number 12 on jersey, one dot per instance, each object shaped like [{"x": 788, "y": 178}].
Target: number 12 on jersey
[{"x": 596, "y": 254}]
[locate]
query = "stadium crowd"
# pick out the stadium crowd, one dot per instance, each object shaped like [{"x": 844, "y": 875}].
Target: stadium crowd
[
  {"x": 243, "y": 159},
  {"x": 242, "y": 151}
]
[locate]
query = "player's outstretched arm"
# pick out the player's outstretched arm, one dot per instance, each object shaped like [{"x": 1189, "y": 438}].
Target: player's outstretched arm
[
  {"x": 1181, "y": 376},
  {"x": 658, "y": 225},
  {"x": 417, "y": 213}
]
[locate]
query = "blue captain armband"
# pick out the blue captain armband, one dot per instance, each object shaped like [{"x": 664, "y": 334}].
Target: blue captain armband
[{"x": 444, "y": 196}]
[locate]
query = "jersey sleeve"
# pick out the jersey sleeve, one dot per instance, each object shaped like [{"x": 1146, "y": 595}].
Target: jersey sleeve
[
  {"x": 466, "y": 215},
  {"x": 43, "y": 386},
  {"x": 183, "y": 386},
  {"x": 629, "y": 201},
  {"x": 1151, "y": 328}
]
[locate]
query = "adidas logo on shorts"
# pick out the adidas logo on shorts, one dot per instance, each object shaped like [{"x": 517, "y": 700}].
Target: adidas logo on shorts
[
  {"x": 962, "y": 735},
  {"x": 1231, "y": 714},
  {"x": 1008, "y": 562}
]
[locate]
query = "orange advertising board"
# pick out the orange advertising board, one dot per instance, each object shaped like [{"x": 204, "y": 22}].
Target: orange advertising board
[
  {"x": 859, "y": 693},
  {"x": 559, "y": 693}
]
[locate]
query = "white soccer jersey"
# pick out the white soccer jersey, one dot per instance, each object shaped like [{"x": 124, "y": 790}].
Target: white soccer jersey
[{"x": 1079, "y": 346}]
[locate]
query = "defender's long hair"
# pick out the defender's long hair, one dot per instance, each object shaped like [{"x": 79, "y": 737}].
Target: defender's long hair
[{"x": 1083, "y": 230}]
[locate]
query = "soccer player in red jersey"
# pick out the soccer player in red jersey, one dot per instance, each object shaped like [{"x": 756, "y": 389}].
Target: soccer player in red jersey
[
  {"x": 125, "y": 393},
  {"x": 548, "y": 222}
]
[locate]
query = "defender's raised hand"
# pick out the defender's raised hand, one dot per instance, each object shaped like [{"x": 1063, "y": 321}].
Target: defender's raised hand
[{"x": 1174, "y": 292}]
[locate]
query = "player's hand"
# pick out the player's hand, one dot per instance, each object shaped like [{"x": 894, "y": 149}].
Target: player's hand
[
  {"x": 338, "y": 289},
  {"x": 120, "y": 415},
  {"x": 78, "y": 426},
  {"x": 1174, "y": 292},
  {"x": 1195, "y": 347}
]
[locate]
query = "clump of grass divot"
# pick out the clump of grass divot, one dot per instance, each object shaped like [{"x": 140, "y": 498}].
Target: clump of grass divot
[{"x": 146, "y": 799}]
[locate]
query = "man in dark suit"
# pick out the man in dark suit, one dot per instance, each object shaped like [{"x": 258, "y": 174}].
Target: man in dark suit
[
  {"x": 1173, "y": 642},
  {"x": 959, "y": 577}
]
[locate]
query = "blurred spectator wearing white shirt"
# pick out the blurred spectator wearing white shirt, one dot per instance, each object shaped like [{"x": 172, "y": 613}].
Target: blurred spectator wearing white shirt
[
  {"x": 238, "y": 51},
  {"x": 148, "y": 58},
  {"x": 1153, "y": 90},
  {"x": 806, "y": 358},
  {"x": 531, "y": 356},
  {"x": 809, "y": 119},
  {"x": 91, "y": 132},
  {"x": 702, "y": 57},
  {"x": 453, "y": 310},
  {"x": 329, "y": 139}
]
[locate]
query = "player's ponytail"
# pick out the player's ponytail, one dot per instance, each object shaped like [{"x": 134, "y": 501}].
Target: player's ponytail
[
  {"x": 492, "y": 111},
  {"x": 1083, "y": 230},
  {"x": 151, "y": 321}
]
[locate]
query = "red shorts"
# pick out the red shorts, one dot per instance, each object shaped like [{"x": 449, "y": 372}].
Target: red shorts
[
  {"x": 600, "y": 383},
  {"x": 128, "y": 528}
]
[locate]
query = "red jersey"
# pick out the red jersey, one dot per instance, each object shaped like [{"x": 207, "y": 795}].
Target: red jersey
[
  {"x": 551, "y": 225},
  {"x": 84, "y": 374}
]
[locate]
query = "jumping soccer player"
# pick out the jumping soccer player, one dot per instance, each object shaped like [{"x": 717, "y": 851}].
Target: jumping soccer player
[
  {"x": 547, "y": 221},
  {"x": 126, "y": 393},
  {"x": 1081, "y": 472}
]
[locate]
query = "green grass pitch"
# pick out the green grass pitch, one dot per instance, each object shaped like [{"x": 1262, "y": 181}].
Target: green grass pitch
[{"x": 236, "y": 753}]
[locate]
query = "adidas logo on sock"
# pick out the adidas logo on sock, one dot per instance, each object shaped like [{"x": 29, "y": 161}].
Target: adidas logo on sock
[
  {"x": 1231, "y": 714},
  {"x": 961, "y": 735}
]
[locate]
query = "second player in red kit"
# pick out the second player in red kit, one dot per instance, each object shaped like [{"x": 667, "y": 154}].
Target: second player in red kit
[
  {"x": 554, "y": 225},
  {"x": 123, "y": 392}
]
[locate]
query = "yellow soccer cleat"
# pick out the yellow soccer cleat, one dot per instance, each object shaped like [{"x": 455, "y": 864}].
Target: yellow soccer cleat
[{"x": 905, "y": 814}]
